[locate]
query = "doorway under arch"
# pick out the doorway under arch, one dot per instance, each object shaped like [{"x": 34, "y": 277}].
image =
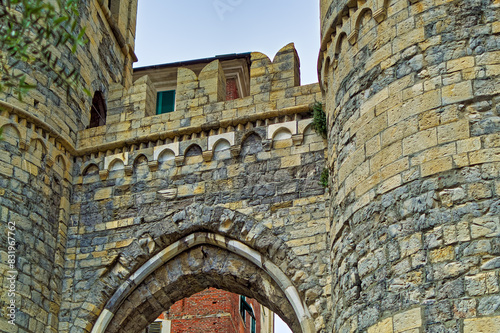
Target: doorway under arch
[{"x": 192, "y": 264}]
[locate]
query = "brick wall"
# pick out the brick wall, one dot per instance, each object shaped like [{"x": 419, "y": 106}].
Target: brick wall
[
  {"x": 231, "y": 89},
  {"x": 212, "y": 310}
]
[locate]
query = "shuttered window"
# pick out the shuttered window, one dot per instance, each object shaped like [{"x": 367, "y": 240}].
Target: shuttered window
[
  {"x": 155, "y": 327},
  {"x": 165, "y": 101}
]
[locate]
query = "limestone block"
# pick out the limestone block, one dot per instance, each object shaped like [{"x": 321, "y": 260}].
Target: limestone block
[
  {"x": 385, "y": 326},
  {"x": 460, "y": 64},
  {"x": 482, "y": 325},
  {"x": 457, "y": 92},
  {"x": 407, "y": 320}
]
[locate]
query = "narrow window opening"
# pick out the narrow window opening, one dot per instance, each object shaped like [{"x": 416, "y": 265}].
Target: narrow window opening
[
  {"x": 244, "y": 308},
  {"x": 98, "y": 110},
  {"x": 165, "y": 101}
]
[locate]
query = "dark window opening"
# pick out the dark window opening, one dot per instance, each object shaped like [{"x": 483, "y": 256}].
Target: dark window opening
[
  {"x": 244, "y": 308},
  {"x": 98, "y": 110},
  {"x": 165, "y": 101}
]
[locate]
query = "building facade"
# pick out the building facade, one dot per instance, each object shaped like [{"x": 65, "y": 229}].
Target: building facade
[
  {"x": 120, "y": 211},
  {"x": 215, "y": 310}
]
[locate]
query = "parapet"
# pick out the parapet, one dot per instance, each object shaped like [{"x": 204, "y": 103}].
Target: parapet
[{"x": 200, "y": 102}]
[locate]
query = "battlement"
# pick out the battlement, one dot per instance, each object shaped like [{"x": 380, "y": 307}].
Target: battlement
[{"x": 201, "y": 115}]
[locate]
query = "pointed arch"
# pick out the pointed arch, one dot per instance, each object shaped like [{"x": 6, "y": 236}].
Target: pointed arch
[
  {"x": 361, "y": 15},
  {"x": 11, "y": 134},
  {"x": 282, "y": 133},
  {"x": 221, "y": 144},
  {"x": 155, "y": 272},
  {"x": 166, "y": 155},
  {"x": 340, "y": 40},
  {"x": 193, "y": 150},
  {"x": 251, "y": 144},
  {"x": 116, "y": 164},
  {"x": 140, "y": 159},
  {"x": 61, "y": 162},
  {"x": 90, "y": 169},
  {"x": 98, "y": 110}
]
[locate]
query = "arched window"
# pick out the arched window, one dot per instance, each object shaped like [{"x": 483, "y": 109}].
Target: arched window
[{"x": 98, "y": 110}]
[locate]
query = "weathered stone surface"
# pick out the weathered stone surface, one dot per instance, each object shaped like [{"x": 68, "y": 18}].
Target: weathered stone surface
[
  {"x": 406, "y": 239},
  {"x": 428, "y": 198}
]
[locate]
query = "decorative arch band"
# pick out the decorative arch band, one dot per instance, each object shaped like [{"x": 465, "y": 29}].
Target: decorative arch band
[{"x": 188, "y": 242}]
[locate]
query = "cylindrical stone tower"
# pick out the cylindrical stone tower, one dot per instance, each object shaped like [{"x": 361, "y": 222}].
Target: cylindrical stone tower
[
  {"x": 412, "y": 93},
  {"x": 36, "y": 161}
]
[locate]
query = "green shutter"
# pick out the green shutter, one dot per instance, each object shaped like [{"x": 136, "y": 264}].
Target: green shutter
[
  {"x": 253, "y": 327},
  {"x": 165, "y": 101},
  {"x": 155, "y": 327}
]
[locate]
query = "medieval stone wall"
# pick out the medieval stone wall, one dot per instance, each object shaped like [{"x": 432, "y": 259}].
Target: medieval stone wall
[
  {"x": 116, "y": 223},
  {"x": 412, "y": 96},
  {"x": 246, "y": 170},
  {"x": 36, "y": 163}
]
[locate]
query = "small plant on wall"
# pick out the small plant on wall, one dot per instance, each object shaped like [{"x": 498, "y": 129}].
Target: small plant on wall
[
  {"x": 319, "y": 119},
  {"x": 323, "y": 179}
]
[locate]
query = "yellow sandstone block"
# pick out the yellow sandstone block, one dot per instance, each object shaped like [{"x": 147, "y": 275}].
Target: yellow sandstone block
[
  {"x": 489, "y": 58},
  {"x": 421, "y": 103},
  {"x": 103, "y": 193},
  {"x": 351, "y": 163},
  {"x": 428, "y": 119},
  {"x": 484, "y": 156},
  {"x": 457, "y": 92},
  {"x": 385, "y": 326},
  {"x": 407, "y": 320},
  {"x": 467, "y": 145},
  {"x": 420, "y": 141},
  {"x": 482, "y": 325},
  {"x": 453, "y": 131},
  {"x": 390, "y": 184},
  {"x": 386, "y": 156},
  {"x": 434, "y": 153},
  {"x": 444, "y": 254},
  {"x": 460, "y": 64},
  {"x": 412, "y": 37},
  {"x": 290, "y": 161},
  {"x": 436, "y": 166},
  {"x": 495, "y": 27}
]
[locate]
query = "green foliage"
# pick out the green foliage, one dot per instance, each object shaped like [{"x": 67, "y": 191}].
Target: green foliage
[
  {"x": 323, "y": 179},
  {"x": 319, "y": 120},
  {"x": 30, "y": 32}
]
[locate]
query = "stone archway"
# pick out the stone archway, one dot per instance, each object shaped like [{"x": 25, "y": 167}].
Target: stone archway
[{"x": 194, "y": 263}]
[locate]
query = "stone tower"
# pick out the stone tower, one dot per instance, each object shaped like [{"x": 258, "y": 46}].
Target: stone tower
[
  {"x": 37, "y": 159},
  {"x": 412, "y": 93}
]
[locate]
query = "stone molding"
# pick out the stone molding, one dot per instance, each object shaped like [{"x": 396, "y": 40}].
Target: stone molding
[
  {"x": 188, "y": 242},
  {"x": 296, "y": 128}
]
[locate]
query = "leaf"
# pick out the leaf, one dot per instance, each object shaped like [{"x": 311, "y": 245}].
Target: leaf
[{"x": 60, "y": 20}]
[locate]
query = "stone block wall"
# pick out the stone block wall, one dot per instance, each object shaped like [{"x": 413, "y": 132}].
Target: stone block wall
[
  {"x": 36, "y": 165},
  {"x": 246, "y": 170},
  {"x": 412, "y": 97},
  {"x": 106, "y": 59},
  {"x": 35, "y": 185}
]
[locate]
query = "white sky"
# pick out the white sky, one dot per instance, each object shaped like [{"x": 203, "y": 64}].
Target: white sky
[
  {"x": 280, "y": 326},
  {"x": 178, "y": 30}
]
